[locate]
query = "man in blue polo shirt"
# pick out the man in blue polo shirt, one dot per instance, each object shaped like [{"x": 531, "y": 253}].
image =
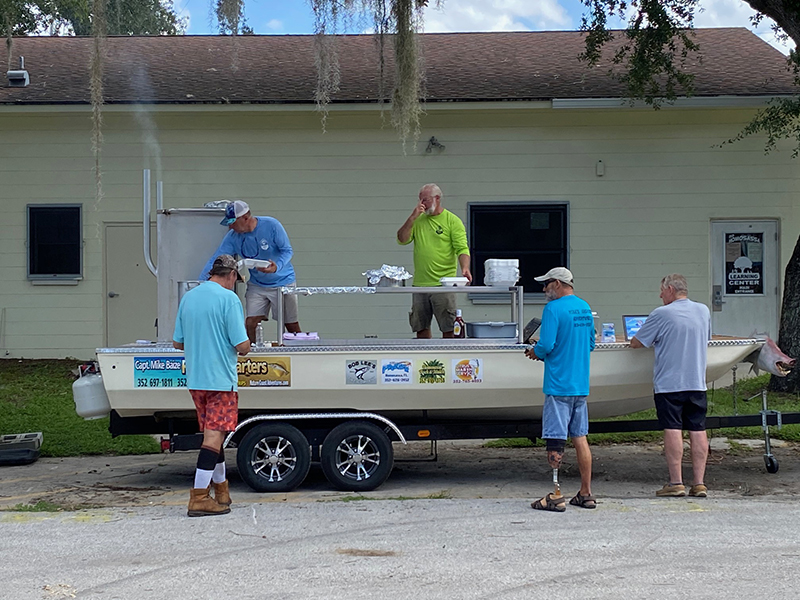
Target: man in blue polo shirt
[
  {"x": 262, "y": 238},
  {"x": 566, "y": 340}
]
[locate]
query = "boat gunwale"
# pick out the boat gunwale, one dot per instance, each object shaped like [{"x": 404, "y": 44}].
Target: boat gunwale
[{"x": 451, "y": 347}]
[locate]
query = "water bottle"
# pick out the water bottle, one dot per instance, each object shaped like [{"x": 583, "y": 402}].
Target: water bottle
[{"x": 259, "y": 336}]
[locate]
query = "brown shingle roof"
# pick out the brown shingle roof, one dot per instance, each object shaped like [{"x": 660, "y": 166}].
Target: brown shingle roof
[{"x": 280, "y": 69}]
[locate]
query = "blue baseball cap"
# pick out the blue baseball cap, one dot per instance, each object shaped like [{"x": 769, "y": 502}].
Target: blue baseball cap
[{"x": 233, "y": 211}]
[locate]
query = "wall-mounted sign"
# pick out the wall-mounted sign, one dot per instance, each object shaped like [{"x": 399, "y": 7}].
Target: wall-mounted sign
[
  {"x": 361, "y": 372},
  {"x": 744, "y": 264},
  {"x": 271, "y": 371}
]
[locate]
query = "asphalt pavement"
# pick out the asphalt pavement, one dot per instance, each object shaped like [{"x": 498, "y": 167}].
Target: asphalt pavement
[{"x": 460, "y": 527}]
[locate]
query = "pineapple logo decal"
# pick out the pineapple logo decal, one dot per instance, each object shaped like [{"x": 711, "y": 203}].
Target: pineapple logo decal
[{"x": 432, "y": 371}]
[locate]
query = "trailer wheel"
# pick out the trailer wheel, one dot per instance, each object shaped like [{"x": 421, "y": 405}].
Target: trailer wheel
[
  {"x": 771, "y": 463},
  {"x": 357, "y": 456},
  {"x": 273, "y": 457}
]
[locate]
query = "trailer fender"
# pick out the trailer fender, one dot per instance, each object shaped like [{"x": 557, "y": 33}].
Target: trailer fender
[{"x": 247, "y": 423}]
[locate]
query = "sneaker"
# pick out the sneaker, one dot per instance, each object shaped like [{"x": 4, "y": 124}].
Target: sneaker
[
  {"x": 699, "y": 491},
  {"x": 670, "y": 489}
]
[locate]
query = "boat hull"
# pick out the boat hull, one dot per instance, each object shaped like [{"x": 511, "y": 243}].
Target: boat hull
[{"x": 480, "y": 382}]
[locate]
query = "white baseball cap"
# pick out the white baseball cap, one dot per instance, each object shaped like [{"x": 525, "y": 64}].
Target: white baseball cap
[
  {"x": 559, "y": 273},
  {"x": 234, "y": 210}
]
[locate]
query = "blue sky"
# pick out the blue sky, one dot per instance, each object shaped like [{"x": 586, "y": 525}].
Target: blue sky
[{"x": 294, "y": 16}]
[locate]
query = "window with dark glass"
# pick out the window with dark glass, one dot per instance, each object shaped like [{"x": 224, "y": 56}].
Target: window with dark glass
[
  {"x": 54, "y": 241},
  {"x": 535, "y": 233}
]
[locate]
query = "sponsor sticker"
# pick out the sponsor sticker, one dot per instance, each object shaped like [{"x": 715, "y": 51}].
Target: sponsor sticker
[
  {"x": 159, "y": 371},
  {"x": 361, "y": 372},
  {"x": 264, "y": 371},
  {"x": 431, "y": 371},
  {"x": 395, "y": 371},
  {"x": 468, "y": 370}
]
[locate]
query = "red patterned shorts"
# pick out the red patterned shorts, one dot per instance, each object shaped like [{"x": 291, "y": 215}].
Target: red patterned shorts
[{"x": 216, "y": 411}]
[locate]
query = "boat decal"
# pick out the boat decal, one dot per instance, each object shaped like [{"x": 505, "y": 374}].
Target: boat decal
[
  {"x": 468, "y": 370},
  {"x": 395, "y": 371},
  {"x": 159, "y": 371},
  {"x": 267, "y": 371},
  {"x": 431, "y": 371},
  {"x": 361, "y": 372}
]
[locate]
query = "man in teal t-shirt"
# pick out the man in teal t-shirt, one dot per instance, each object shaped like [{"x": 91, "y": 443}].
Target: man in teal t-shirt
[
  {"x": 440, "y": 246},
  {"x": 210, "y": 329},
  {"x": 566, "y": 340}
]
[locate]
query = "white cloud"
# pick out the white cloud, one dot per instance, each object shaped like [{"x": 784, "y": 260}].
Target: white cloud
[
  {"x": 497, "y": 15},
  {"x": 275, "y": 25}
]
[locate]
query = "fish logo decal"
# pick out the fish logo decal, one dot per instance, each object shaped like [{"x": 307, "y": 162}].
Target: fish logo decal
[{"x": 361, "y": 372}]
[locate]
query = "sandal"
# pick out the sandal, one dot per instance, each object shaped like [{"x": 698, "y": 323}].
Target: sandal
[
  {"x": 551, "y": 503},
  {"x": 584, "y": 501}
]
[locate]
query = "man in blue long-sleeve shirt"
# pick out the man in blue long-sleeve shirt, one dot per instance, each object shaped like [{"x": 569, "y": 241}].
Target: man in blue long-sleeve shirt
[
  {"x": 566, "y": 340},
  {"x": 262, "y": 238}
]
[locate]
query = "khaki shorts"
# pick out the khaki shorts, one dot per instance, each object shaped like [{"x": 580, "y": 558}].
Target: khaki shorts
[
  {"x": 426, "y": 306},
  {"x": 259, "y": 299}
]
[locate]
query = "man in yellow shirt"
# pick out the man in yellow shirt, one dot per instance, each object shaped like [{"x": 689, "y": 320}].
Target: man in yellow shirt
[{"x": 440, "y": 246}]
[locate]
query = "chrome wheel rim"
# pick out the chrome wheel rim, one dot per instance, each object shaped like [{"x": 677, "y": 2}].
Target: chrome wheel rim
[
  {"x": 357, "y": 457},
  {"x": 273, "y": 458}
]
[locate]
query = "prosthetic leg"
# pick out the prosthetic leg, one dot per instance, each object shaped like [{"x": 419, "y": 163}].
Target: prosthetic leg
[
  {"x": 555, "y": 454},
  {"x": 555, "y": 501}
]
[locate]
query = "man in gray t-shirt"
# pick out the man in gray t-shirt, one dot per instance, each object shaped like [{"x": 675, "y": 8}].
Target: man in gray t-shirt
[{"x": 679, "y": 332}]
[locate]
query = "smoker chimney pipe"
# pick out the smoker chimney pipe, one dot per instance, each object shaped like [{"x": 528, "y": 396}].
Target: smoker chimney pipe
[{"x": 146, "y": 222}]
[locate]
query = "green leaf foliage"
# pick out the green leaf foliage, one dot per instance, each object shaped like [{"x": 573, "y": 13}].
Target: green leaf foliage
[
  {"x": 123, "y": 17},
  {"x": 652, "y": 49}
]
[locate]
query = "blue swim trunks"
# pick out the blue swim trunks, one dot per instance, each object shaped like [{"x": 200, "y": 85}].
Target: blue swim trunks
[{"x": 564, "y": 416}]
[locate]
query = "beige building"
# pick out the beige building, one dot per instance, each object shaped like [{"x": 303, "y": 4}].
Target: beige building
[{"x": 536, "y": 153}]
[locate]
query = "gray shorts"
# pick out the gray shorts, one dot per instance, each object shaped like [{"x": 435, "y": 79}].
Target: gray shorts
[
  {"x": 259, "y": 299},
  {"x": 426, "y": 306}
]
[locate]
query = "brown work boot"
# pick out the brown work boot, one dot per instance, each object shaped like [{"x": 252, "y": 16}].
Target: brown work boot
[
  {"x": 203, "y": 505},
  {"x": 221, "y": 493}
]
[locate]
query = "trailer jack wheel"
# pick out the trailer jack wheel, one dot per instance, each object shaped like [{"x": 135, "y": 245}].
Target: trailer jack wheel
[
  {"x": 357, "y": 456},
  {"x": 772, "y": 463},
  {"x": 273, "y": 457}
]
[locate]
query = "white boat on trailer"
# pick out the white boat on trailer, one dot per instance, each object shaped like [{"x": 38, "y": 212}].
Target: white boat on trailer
[{"x": 344, "y": 402}]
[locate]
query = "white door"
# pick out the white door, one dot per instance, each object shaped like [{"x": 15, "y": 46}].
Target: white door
[
  {"x": 745, "y": 282},
  {"x": 130, "y": 290}
]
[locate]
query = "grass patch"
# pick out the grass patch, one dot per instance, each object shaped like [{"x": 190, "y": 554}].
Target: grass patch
[
  {"x": 36, "y": 395},
  {"x": 40, "y": 506}
]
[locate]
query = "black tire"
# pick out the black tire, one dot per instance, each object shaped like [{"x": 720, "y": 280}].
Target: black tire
[
  {"x": 357, "y": 456},
  {"x": 772, "y": 464},
  {"x": 273, "y": 457}
]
